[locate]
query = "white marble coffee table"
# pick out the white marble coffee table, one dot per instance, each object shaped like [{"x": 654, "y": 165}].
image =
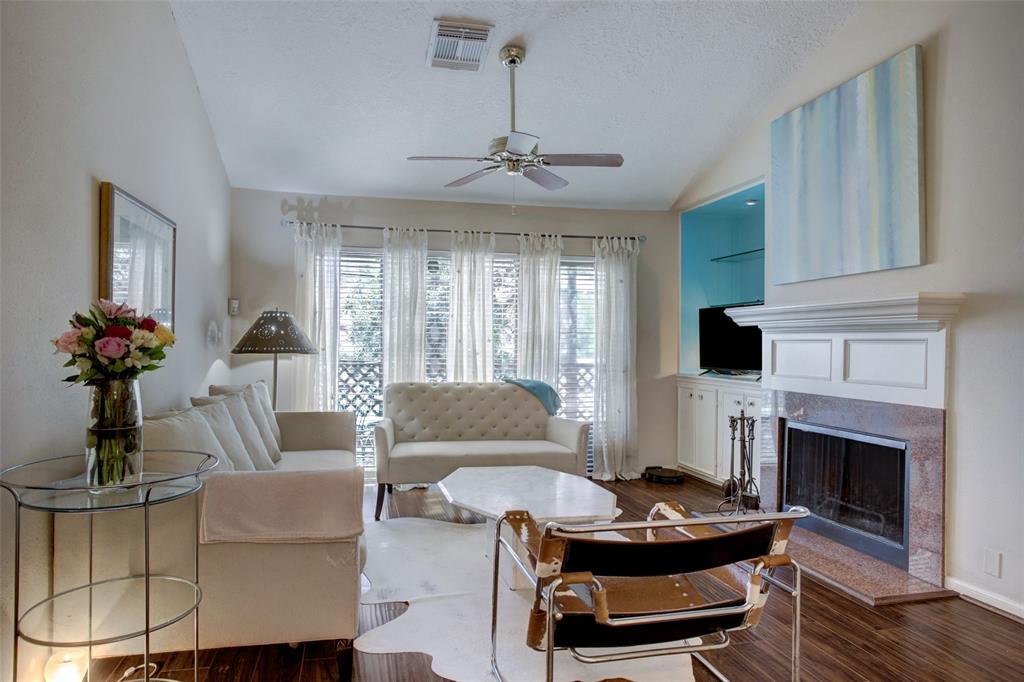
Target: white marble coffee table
[{"x": 547, "y": 494}]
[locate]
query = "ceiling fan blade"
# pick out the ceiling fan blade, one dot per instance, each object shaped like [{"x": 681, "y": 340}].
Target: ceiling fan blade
[
  {"x": 544, "y": 177},
  {"x": 444, "y": 158},
  {"x": 605, "y": 160},
  {"x": 472, "y": 176},
  {"x": 521, "y": 143}
]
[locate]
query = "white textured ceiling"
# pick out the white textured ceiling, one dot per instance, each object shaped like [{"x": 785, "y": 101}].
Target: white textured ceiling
[{"x": 329, "y": 98}]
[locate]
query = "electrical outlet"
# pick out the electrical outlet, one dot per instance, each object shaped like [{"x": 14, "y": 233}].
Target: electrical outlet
[{"x": 993, "y": 562}]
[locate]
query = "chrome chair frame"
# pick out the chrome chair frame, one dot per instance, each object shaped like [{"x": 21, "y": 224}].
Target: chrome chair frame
[{"x": 553, "y": 616}]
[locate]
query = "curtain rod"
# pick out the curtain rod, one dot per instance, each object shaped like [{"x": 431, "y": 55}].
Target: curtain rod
[{"x": 639, "y": 237}]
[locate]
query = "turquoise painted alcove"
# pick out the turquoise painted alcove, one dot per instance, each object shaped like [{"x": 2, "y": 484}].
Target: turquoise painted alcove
[{"x": 721, "y": 262}]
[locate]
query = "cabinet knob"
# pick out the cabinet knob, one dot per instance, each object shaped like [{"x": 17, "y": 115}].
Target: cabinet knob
[
  {"x": 700, "y": 396},
  {"x": 691, "y": 395},
  {"x": 750, "y": 404},
  {"x": 738, "y": 402}
]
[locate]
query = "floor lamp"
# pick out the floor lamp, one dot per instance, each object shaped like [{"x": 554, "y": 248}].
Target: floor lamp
[{"x": 275, "y": 331}]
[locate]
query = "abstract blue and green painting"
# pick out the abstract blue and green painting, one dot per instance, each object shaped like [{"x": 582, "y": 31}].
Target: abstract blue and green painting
[{"x": 846, "y": 177}]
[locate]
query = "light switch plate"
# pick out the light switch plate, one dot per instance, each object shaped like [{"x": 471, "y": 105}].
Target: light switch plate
[{"x": 993, "y": 562}]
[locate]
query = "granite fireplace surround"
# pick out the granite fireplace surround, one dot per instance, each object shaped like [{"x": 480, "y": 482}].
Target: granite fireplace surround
[{"x": 924, "y": 430}]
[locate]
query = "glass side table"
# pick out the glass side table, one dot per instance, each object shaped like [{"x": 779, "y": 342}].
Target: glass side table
[{"x": 58, "y": 486}]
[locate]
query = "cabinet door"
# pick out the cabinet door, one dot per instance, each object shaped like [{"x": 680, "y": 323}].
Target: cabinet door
[
  {"x": 687, "y": 427},
  {"x": 705, "y": 411},
  {"x": 732, "y": 403}
]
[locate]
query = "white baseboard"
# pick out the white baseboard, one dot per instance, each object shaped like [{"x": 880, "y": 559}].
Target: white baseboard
[{"x": 994, "y": 600}]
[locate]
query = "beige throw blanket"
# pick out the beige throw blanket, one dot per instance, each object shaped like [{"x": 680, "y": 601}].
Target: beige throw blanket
[{"x": 282, "y": 506}]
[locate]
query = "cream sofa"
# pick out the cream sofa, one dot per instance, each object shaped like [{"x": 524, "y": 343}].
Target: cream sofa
[
  {"x": 260, "y": 591},
  {"x": 273, "y": 592},
  {"x": 430, "y": 430}
]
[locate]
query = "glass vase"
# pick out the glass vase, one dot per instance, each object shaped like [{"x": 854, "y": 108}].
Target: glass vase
[{"x": 114, "y": 436}]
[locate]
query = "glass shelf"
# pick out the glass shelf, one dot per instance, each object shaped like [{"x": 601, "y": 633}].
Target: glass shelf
[
  {"x": 117, "y": 607},
  {"x": 740, "y": 257},
  {"x": 59, "y": 484}
]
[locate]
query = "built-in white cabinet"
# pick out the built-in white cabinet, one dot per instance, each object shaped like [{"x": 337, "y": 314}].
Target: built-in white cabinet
[
  {"x": 697, "y": 438},
  {"x": 705, "y": 404}
]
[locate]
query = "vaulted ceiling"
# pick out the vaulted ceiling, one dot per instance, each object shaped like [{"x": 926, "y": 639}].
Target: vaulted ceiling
[{"x": 329, "y": 98}]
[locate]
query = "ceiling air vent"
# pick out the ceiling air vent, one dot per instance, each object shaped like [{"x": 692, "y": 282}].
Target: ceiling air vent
[{"x": 462, "y": 47}]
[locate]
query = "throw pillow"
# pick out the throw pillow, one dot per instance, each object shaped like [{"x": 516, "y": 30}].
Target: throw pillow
[
  {"x": 219, "y": 419},
  {"x": 252, "y": 401},
  {"x": 263, "y": 395},
  {"x": 245, "y": 425},
  {"x": 184, "y": 431}
]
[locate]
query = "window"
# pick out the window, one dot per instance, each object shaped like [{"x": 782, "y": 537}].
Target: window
[
  {"x": 505, "y": 316},
  {"x": 576, "y": 343},
  {"x": 439, "y": 295},
  {"x": 360, "y": 337},
  {"x": 360, "y": 345}
]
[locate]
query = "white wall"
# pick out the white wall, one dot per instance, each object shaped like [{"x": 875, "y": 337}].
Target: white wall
[
  {"x": 262, "y": 276},
  {"x": 974, "y": 172},
  {"x": 93, "y": 92}
]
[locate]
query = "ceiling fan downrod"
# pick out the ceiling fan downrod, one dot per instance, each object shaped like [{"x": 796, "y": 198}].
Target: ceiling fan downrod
[{"x": 512, "y": 56}]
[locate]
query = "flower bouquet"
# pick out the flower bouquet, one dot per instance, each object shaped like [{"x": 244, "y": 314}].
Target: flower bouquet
[{"x": 110, "y": 347}]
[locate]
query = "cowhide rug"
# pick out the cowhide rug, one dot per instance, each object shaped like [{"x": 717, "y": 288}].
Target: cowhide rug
[{"x": 440, "y": 569}]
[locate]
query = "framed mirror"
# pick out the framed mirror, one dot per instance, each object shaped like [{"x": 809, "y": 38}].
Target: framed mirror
[{"x": 136, "y": 254}]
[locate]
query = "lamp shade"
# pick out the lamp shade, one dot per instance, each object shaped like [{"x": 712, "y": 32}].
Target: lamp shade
[{"x": 275, "y": 331}]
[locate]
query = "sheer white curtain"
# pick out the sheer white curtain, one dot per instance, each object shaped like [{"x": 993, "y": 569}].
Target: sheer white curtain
[
  {"x": 615, "y": 438},
  {"x": 470, "y": 341},
  {"x": 317, "y": 271},
  {"x": 539, "y": 258},
  {"x": 405, "y": 304}
]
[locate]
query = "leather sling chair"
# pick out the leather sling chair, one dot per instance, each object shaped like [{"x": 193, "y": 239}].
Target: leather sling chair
[{"x": 601, "y": 593}]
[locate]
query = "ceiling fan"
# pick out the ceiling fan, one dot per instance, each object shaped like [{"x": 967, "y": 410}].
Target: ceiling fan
[{"x": 518, "y": 153}]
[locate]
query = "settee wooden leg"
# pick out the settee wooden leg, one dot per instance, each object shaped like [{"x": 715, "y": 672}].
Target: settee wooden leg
[
  {"x": 391, "y": 488},
  {"x": 380, "y": 501},
  {"x": 345, "y": 660}
]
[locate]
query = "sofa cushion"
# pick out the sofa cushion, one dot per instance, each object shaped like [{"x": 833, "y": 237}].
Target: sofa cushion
[
  {"x": 414, "y": 462},
  {"x": 425, "y": 412},
  {"x": 266, "y": 404},
  {"x": 245, "y": 425},
  {"x": 315, "y": 460},
  {"x": 219, "y": 419},
  {"x": 184, "y": 431}
]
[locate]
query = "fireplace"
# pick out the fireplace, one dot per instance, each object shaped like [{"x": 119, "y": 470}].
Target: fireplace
[{"x": 856, "y": 486}]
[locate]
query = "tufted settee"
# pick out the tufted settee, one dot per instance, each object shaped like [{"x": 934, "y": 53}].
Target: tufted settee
[{"x": 430, "y": 430}]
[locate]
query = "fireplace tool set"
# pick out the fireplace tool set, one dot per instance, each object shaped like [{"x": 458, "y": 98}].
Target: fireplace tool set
[{"x": 741, "y": 492}]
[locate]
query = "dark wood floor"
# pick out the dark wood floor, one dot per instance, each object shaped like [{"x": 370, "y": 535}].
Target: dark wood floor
[{"x": 843, "y": 639}]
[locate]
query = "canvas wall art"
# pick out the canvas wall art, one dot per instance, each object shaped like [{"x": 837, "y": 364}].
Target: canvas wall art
[{"x": 847, "y": 177}]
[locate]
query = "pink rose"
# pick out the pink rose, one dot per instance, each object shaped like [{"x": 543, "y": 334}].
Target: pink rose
[
  {"x": 69, "y": 341},
  {"x": 111, "y": 347}
]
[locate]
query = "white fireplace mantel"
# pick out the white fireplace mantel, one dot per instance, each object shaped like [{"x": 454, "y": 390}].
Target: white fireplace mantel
[
  {"x": 916, "y": 312},
  {"x": 885, "y": 350}
]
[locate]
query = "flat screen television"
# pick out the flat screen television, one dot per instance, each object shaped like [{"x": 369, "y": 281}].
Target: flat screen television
[{"x": 725, "y": 346}]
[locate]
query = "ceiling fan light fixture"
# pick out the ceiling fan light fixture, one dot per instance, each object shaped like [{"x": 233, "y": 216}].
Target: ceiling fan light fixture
[{"x": 518, "y": 153}]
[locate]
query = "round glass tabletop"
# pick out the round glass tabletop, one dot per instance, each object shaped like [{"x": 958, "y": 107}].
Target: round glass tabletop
[{"x": 59, "y": 484}]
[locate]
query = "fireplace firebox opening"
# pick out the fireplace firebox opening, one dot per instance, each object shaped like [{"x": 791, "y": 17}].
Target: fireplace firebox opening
[{"x": 856, "y": 486}]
